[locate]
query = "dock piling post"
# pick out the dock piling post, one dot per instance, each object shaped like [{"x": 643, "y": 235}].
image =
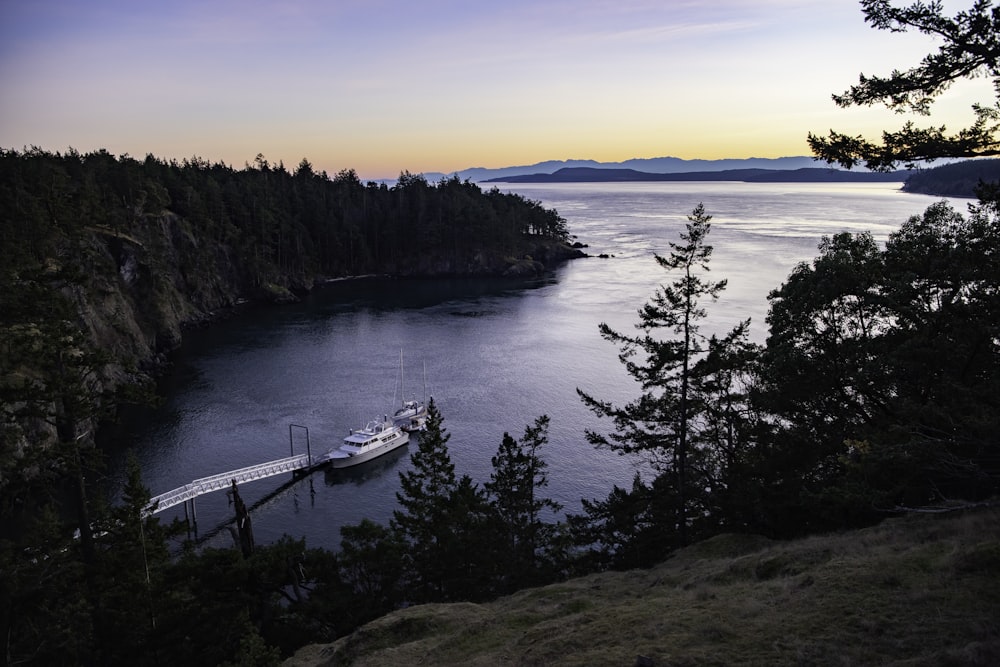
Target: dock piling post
[{"x": 291, "y": 444}]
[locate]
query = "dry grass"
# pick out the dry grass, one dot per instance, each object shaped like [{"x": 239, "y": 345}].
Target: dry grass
[{"x": 916, "y": 591}]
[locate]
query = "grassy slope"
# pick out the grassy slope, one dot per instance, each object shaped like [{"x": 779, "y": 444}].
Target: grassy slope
[{"x": 917, "y": 590}]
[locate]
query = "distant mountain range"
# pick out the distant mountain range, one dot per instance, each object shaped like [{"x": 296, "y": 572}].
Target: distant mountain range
[
  {"x": 804, "y": 175},
  {"x": 939, "y": 178},
  {"x": 640, "y": 167}
]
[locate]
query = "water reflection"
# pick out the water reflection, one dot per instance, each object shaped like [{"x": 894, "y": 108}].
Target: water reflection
[{"x": 387, "y": 464}]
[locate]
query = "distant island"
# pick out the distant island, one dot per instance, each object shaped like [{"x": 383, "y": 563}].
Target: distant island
[
  {"x": 956, "y": 179},
  {"x": 653, "y": 165},
  {"x": 959, "y": 179},
  {"x": 801, "y": 175}
]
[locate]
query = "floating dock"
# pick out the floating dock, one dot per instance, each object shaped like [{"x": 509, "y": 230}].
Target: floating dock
[{"x": 303, "y": 463}]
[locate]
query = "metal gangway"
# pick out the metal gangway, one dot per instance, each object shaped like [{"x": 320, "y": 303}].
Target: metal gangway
[{"x": 187, "y": 493}]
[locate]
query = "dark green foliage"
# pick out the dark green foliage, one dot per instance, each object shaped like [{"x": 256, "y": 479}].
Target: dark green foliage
[
  {"x": 628, "y": 529},
  {"x": 65, "y": 604},
  {"x": 878, "y": 388},
  {"x": 44, "y": 615},
  {"x": 970, "y": 47},
  {"x": 469, "y": 547},
  {"x": 261, "y": 224},
  {"x": 960, "y": 179},
  {"x": 422, "y": 520},
  {"x": 943, "y": 273},
  {"x": 674, "y": 423},
  {"x": 104, "y": 259},
  {"x": 51, "y": 383},
  {"x": 529, "y": 552},
  {"x": 371, "y": 561},
  {"x": 132, "y": 604},
  {"x": 441, "y": 521},
  {"x": 130, "y": 568},
  {"x": 823, "y": 321},
  {"x": 731, "y": 426},
  {"x": 883, "y": 370},
  {"x": 450, "y": 540},
  {"x": 164, "y": 243},
  {"x": 216, "y": 606}
]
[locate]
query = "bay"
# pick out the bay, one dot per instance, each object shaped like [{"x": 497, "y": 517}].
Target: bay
[{"x": 494, "y": 354}]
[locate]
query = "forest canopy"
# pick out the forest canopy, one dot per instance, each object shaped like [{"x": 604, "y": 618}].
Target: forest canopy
[{"x": 275, "y": 221}]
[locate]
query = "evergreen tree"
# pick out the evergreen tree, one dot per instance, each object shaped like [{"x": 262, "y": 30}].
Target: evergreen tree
[
  {"x": 970, "y": 48},
  {"x": 370, "y": 563},
  {"x": 882, "y": 371},
  {"x": 435, "y": 516},
  {"x": 469, "y": 547},
  {"x": 529, "y": 554},
  {"x": 661, "y": 425},
  {"x": 45, "y": 614},
  {"x": 623, "y": 531},
  {"x": 132, "y": 558},
  {"x": 731, "y": 427}
]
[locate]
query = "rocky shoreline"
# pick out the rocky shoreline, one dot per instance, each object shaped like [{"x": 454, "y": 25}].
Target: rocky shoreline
[{"x": 145, "y": 293}]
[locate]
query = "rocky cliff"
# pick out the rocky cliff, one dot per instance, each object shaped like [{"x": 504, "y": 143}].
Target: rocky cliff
[
  {"x": 145, "y": 289},
  {"x": 106, "y": 261}
]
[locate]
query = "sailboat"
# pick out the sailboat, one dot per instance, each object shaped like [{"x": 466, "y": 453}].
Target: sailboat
[{"x": 412, "y": 414}]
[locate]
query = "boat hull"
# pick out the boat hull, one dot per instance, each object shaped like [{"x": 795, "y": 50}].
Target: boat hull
[
  {"x": 345, "y": 459},
  {"x": 411, "y": 417},
  {"x": 412, "y": 424}
]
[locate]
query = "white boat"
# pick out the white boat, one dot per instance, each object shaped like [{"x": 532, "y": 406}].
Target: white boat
[
  {"x": 411, "y": 415},
  {"x": 374, "y": 440}
]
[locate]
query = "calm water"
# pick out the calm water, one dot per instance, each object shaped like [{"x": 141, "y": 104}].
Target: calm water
[{"x": 496, "y": 355}]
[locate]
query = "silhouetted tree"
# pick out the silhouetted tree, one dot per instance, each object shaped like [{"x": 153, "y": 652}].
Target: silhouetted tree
[
  {"x": 882, "y": 370},
  {"x": 441, "y": 520},
  {"x": 530, "y": 548},
  {"x": 970, "y": 48},
  {"x": 371, "y": 562},
  {"x": 660, "y": 425}
]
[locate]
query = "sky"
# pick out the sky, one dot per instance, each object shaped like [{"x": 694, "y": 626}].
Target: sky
[{"x": 383, "y": 86}]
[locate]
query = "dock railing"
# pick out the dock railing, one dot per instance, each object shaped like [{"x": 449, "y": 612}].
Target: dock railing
[{"x": 224, "y": 480}]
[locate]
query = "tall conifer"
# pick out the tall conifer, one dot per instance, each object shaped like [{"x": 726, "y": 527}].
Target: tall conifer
[
  {"x": 659, "y": 425},
  {"x": 425, "y": 493},
  {"x": 518, "y": 475}
]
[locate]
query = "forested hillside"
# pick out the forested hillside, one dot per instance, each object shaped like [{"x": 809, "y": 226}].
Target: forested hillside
[
  {"x": 877, "y": 392},
  {"x": 111, "y": 257},
  {"x": 960, "y": 179}
]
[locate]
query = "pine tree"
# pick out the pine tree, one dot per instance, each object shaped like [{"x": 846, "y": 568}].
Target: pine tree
[
  {"x": 624, "y": 531},
  {"x": 661, "y": 424},
  {"x": 518, "y": 475},
  {"x": 132, "y": 556},
  {"x": 970, "y": 48},
  {"x": 423, "y": 518},
  {"x": 371, "y": 567}
]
